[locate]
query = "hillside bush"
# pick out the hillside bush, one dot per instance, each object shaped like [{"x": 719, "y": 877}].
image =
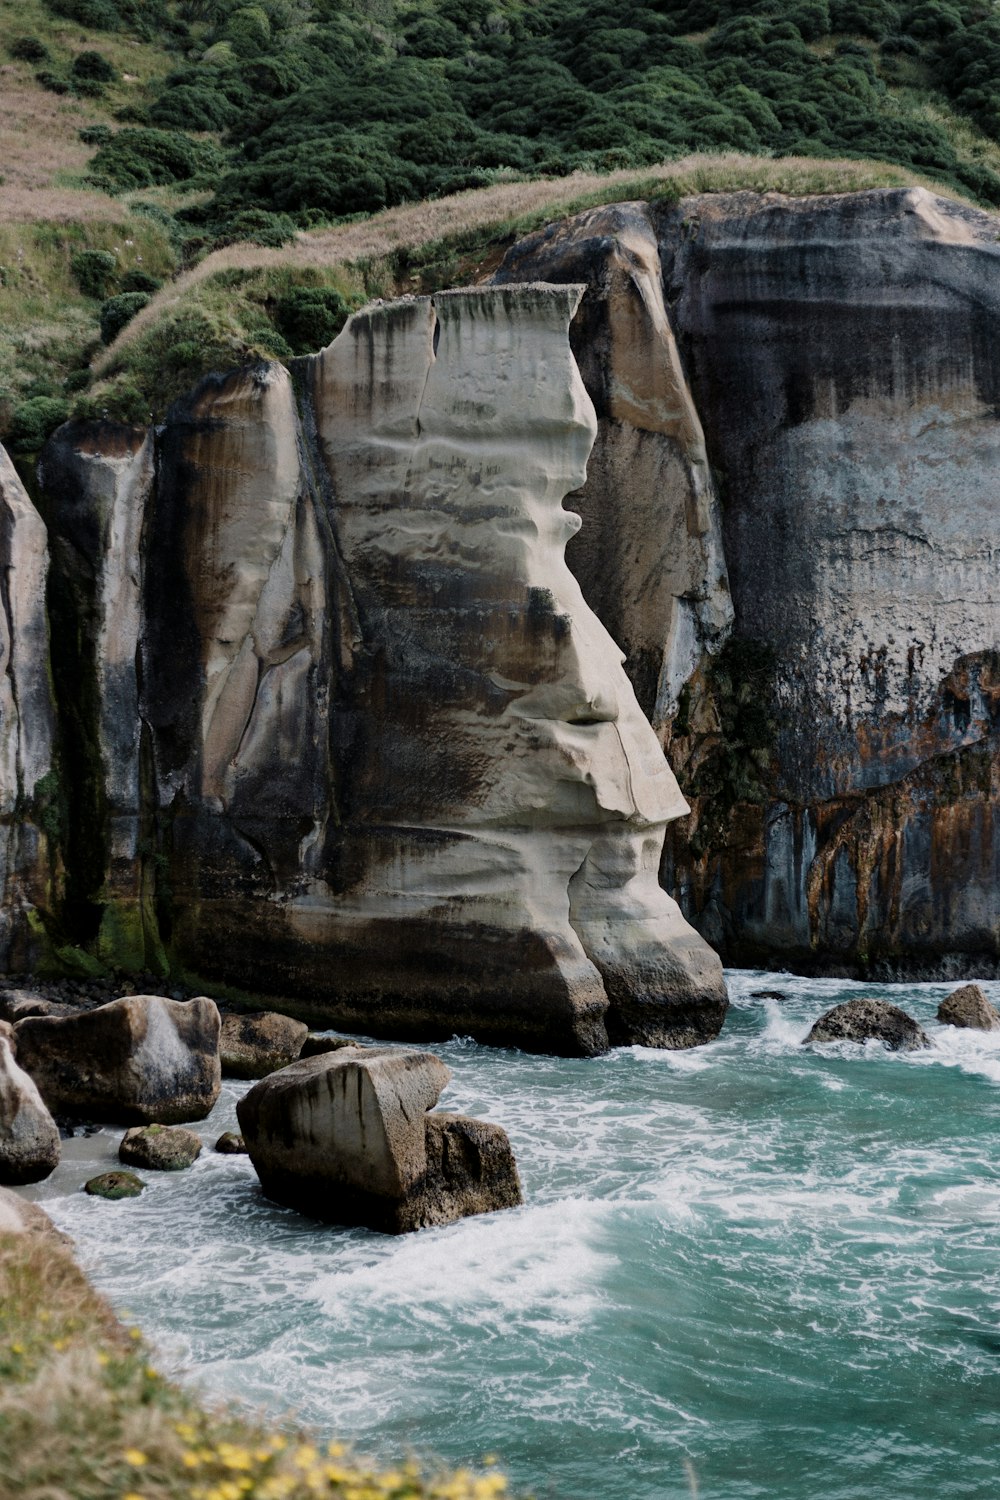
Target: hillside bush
[
  {"x": 28, "y": 49},
  {"x": 309, "y": 318},
  {"x": 119, "y": 310},
  {"x": 136, "y": 158},
  {"x": 32, "y": 422},
  {"x": 94, "y": 271},
  {"x": 95, "y": 66}
]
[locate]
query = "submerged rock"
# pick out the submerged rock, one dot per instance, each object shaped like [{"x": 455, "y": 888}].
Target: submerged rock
[
  {"x": 346, "y": 1137},
  {"x": 253, "y": 1045},
  {"x": 115, "y": 1185},
  {"x": 29, "y": 1137},
  {"x": 870, "y": 1020},
  {"x": 971, "y": 1007},
  {"x": 140, "y": 1060},
  {"x": 163, "y": 1148},
  {"x": 230, "y": 1144}
]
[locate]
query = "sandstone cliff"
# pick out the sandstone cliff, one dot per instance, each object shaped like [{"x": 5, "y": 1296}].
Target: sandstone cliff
[{"x": 343, "y": 728}]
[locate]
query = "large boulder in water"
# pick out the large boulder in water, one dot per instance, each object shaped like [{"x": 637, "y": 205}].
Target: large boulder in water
[
  {"x": 346, "y": 1137},
  {"x": 164, "y": 1148},
  {"x": 251, "y": 1046},
  {"x": 969, "y": 1007},
  {"x": 29, "y": 1138},
  {"x": 141, "y": 1060},
  {"x": 870, "y": 1020}
]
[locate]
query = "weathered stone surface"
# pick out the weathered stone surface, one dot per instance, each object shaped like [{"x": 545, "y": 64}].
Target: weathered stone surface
[
  {"x": 140, "y": 1060},
  {"x": 29, "y": 1137},
  {"x": 408, "y": 778},
  {"x": 18, "y": 1005},
  {"x": 163, "y": 1148},
  {"x": 870, "y": 1020},
  {"x": 316, "y": 1046},
  {"x": 230, "y": 1144},
  {"x": 649, "y": 555},
  {"x": 346, "y": 1138},
  {"x": 114, "y": 1186},
  {"x": 969, "y": 1006},
  {"x": 26, "y": 722},
  {"x": 18, "y": 1216},
  {"x": 253, "y": 1045},
  {"x": 8, "y": 1035}
]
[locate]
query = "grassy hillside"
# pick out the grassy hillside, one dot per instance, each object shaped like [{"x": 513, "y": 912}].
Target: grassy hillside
[{"x": 159, "y": 132}]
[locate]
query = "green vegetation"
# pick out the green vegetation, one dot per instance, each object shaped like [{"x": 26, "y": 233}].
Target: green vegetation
[{"x": 84, "y": 1413}]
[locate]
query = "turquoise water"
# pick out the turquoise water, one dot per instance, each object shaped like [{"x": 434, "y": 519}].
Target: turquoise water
[{"x": 751, "y": 1270}]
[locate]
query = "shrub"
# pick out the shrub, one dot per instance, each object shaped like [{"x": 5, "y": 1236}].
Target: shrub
[
  {"x": 310, "y": 317},
  {"x": 95, "y": 135},
  {"x": 189, "y": 107},
  {"x": 119, "y": 310},
  {"x": 140, "y": 281},
  {"x": 33, "y": 420},
  {"x": 28, "y": 49},
  {"x": 259, "y": 226},
  {"x": 143, "y": 158},
  {"x": 94, "y": 271},
  {"x": 94, "y": 65},
  {"x": 248, "y": 31},
  {"x": 56, "y": 83}
]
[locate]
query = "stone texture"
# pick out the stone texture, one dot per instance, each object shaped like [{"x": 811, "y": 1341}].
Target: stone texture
[
  {"x": 140, "y": 1060},
  {"x": 253, "y": 1045},
  {"x": 230, "y": 1144},
  {"x": 114, "y": 1186},
  {"x": 8, "y": 1035},
  {"x": 346, "y": 1138},
  {"x": 18, "y": 1005},
  {"x": 316, "y": 1046},
  {"x": 27, "y": 788},
  {"x": 29, "y": 1137},
  {"x": 18, "y": 1216},
  {"x": 163, "y": 1148},
  {"x": 870, "y": 1020},
  {"x": 969, "y": 1006}
]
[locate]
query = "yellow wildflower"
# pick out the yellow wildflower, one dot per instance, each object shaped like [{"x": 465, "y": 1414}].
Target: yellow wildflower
[
  {"x": 17, "y": 1348},
  {"x": 305, "y": 1456},
  {"x": 335, "y": 1450},
  {"x": 135, "y": 1333},
  {"x": 135, "y": 1457},
  {"x": 190, "y": 1460}
]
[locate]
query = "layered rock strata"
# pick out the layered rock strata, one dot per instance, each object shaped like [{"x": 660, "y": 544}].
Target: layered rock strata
[{"x": 347, "y": 1138}]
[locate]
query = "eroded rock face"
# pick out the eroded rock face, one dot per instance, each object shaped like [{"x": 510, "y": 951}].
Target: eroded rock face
[
  {"x": 140, "y": 1060},
  {"x": 407, "y": 776},
  {"x": 969, "y": 1006},
  {"x": 27, "y": 789},
  {"x": 870, "y": 1020},
  {"x": 29, "y": 1138},
  {"x": 251, "y": 1046},
  {"x": 346, "y": 1138}
]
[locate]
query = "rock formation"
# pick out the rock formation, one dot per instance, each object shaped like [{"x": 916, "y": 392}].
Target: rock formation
[
  {"x": 253, "y": 1045},
  {"x": 162, "y": 1148},
  {"x": 969, "y": 1006},
  {"x": 29, "y": 1139},
  {"x": 867, "y": 1021},
  {"x": 346, "y": 1137},
  {"x": 141, "y": 1060}
]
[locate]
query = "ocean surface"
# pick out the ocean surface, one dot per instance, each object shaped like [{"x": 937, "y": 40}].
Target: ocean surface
[{"x": 755, "y": 1269}]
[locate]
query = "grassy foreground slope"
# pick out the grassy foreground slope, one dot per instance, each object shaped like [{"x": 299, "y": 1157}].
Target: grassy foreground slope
[
  {"x": 147, "y": 137},
  {"x": 85, "y": 1416}
]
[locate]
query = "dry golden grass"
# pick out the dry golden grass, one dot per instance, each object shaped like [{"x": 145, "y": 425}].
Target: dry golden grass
[
  {"x": 85, "y": 1416},
  {"x": 507, "y": 203}
]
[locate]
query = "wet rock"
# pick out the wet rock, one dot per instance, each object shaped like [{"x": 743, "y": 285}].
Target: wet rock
[
  {"x": 251, "y": 1046},
  {"x": 163, "y": 1148},
  {"x": 318, "y": 1046},
  {"x": 138, "y": 1061},
  {"x": 768, "y": 995},
  {"x": 230, "y": 1144},
  {"x": 970, "y": 1007},
  {"x": 29, "y": 1137},
  {"x": 346, "y": 1137},
  {"x": 870, "y": 1020},
  {"x": 114, "y": 1185}
]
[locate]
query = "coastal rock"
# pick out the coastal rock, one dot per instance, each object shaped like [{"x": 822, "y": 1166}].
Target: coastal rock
[
  {"x": 346, "y": 1138},
  {"x": 163, "y": 1148},
  {"x": 251, "y": 1046},
  {"x": 114, "y": 1186},
  {"x": 971, "y": 1007},
  {"x": 870, "y": 1020},
  {"x": 139, "y": 1060},
  {"x": 316, "y": 1046},
  {"x": 18, "y": 1005},
  {"x": 29, "y": 1137},
  {"x": 18, "y": 1216},
  {"x": 8, "y": 1035},
  {"x": 230, "y": 1144}
]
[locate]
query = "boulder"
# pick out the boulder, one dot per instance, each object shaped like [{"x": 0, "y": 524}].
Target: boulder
[
  {"x": 29, "y": 1137},
  {"x": 9, "y": 1035},
  {"x": 17, "y": 1216},
  {"x": 115, "y": 1185},
  {"x": 140, "y": 1060},
  {"x": 251, "y": 1046},
  {"x": 163, "y": 1148},
  {"x": 230, "y": 1144},
  {"x": 346, "y": 1137},
  {"x": 870, "y": 1020},
  {"x": 969, "y": 1006},
  {"x": 316, "y": 1046},
  {"x": 18, "y": 1005}
]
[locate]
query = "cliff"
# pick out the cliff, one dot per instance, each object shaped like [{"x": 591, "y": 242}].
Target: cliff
[
  {"x": 335, "y": 720},
  {"x": 841, "y": 752}
]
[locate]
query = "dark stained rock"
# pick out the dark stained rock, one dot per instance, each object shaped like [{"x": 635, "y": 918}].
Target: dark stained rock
[
  {"x": 346, "y": 1137},
  {"x": 230, "y": 1144},
  {"x": 969, "y": 1006},
  {"x": 163, "y": 1148},
  {"x": 253, "y": 1045},
  {"x": 138, "y": 1061},
  {"x": 317, "y": 1046},
  {"x": 29, "y": 1137},
  {"x": 18, "y": 1005},
  {"x": 114, "y": 1185},
  {"x": 870, "y": 1020}
]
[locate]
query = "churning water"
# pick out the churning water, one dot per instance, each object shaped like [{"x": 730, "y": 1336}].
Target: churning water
[{"x": 752, "y": 1270}]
